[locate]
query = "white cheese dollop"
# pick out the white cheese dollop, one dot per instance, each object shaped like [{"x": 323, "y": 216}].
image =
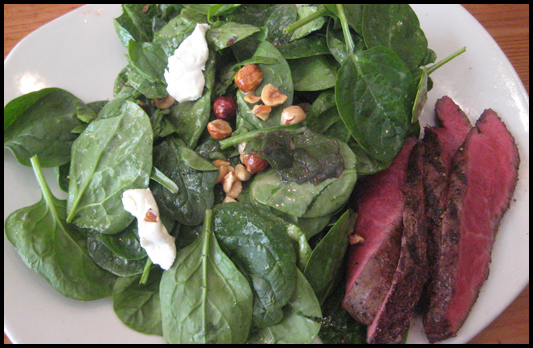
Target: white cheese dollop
[
  {"x": 159, "y": 245},
  {"x": 184, "y": 77}
]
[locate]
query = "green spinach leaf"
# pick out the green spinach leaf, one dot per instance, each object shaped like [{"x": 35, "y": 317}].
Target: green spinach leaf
[
  {"x": 41, "y": 123},
  {"x": 133, "y": 24},
  {"x": 113, "y": 154},
  {"x": 395, "y": 26},
  {"x": 322, "y": 269},
  {"x": 259, "y": 243},
  {"x": 306, "y": 200},
  {"x": 299, "y": 325},
  {"x": 374, "y": 95},
  {"x": 194, "y": 176},
  {"x": 137, "y": 305},
  {"x": 229, "y": 33},
  {"x": 54, "y": 249},
  {"x": 204, "y": 297},
  {"x": 314, "y": 73}
]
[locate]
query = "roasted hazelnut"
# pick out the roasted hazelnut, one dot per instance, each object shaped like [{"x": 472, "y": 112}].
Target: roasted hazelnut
[
  {"x": 164, "y": 103},
  {"x": 242, "y": 173},
  {"x": 219, "y": 129},
  {"x": 262, "y": 111},
  {"x": 271, "y": 96},
  {"x": 254, "y": 164},
  {"x": 225, "y": 108},
  {"x": 292, "y": 114},
  {"x": 248, "y": 78},
  {"x": 251, "y": 98}
]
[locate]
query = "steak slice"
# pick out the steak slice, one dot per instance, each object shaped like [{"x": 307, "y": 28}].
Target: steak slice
[
  {"x": 440, "y": 143},
  {"x": 396, "y": 311},
  {"x": 482, "y": 181},
  {"x": 371, "y": 265}
]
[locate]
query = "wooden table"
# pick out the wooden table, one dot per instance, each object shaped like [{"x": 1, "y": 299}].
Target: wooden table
[{"x": 507, "y": 23}]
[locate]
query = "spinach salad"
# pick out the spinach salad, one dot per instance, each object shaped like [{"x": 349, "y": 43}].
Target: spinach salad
[{"x": 268, "y": 266}]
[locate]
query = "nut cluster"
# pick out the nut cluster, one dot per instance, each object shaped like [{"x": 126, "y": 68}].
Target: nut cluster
[
  {"x": 248, "y": 79},
  {"x": 231, "y": 179}
]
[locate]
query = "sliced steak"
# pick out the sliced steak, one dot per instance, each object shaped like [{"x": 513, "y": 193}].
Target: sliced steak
[
  {"x": 482, "y": 181},
  {"x": 440, "y": 143},
  {"x": 396, "y": 311},
  {"x": 371, "y": 265}
]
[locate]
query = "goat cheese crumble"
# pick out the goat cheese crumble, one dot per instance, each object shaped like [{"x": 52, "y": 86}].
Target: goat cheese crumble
[
  {"x": 184, "y": 77},
  {"x": 159, "y": 245}
]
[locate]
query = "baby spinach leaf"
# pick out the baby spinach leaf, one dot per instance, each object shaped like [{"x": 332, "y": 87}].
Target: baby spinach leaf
[
  {"x": 306, "y": 200},
  {"x": 374, "y": 95},
  {"x": 137, "y": 305},
  {"x": 53, "y": 249},
  {"x": 204, "y": 297},
  {"x": 298, "y": 325},
  {"x": 113, "y": 154},
  {"x": 148, "y": 59},
  {"x": 259, "y": 243},
  {"x": 314, "y": 73},
  {"x": 229, "y": 33},
  {"x": 133, "y": 24},
  {"x": 307, "y": 157},
  {"x": 126, "y": 243},
  {"x": 274, "y": 17},
  {"x": 304, "y": 30},
  {"x": 173, "y": 33},
  {"x": 395, "y": 26},
  {"x": 112, "y": 262},
  {"x": 41, "y": 123},
  {"x": 312, "y": 45},
  {"x": 322, "y": 269},
  {"x": 194, "y": 177}
]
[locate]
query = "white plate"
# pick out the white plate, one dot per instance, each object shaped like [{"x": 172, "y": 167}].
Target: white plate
[{"x": 81, "y": 53}]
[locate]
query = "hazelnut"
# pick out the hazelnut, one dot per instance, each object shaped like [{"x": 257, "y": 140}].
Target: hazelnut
[
  {"x": 292, "y": 114},
  {"x": 229, "y": 180},
  {"x": 251, "y": 98},
  {"x": 235, "y": 190},
  {"x": 229, "y": 199},
  {"x": 262, "y": 111},
  {"x": 225, "y": 108},
  {"x": 164, "y": 103},
  {"x": 219, "y": 129},
  {"x": 220, "y": 162},
  {"x": 271, "y": 96},
  {"x": 254, "y": 164},
  {"x": 242, "y": 173},
  {"x": 222, "y": 172},
  {"x": 248, "y": 77}
]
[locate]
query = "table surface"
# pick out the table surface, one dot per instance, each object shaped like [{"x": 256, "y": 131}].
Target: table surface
[{"x": 507, "y": 23}]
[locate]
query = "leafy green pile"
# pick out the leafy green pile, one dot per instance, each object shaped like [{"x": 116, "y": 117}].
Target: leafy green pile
[{"x": 246, "y": 271}]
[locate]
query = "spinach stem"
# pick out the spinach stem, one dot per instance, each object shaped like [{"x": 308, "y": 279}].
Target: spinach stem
[
  {"x": 345, "y": 29},
  {"x": 47, "y": 194},
  {"x": 237, "y": 139},
  {"x": 146, "y": 271},
  {"x": 445, "y": 60},
  {"x": 159, "y": 177},
  {"x": 300, "y": 23}
]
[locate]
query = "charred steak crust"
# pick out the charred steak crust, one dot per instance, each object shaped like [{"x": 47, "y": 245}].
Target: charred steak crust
[
  {"x": 398, "y": 308},
  {"x": 371, "y": 266},
  {"x": 482, "y": 181},
  {"x": 440, "y": 144}
]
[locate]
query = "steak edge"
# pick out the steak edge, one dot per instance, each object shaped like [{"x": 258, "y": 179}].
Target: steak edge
[
  {"x": 371, "y": 265},
  {"x": 482, "y": 181}
]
